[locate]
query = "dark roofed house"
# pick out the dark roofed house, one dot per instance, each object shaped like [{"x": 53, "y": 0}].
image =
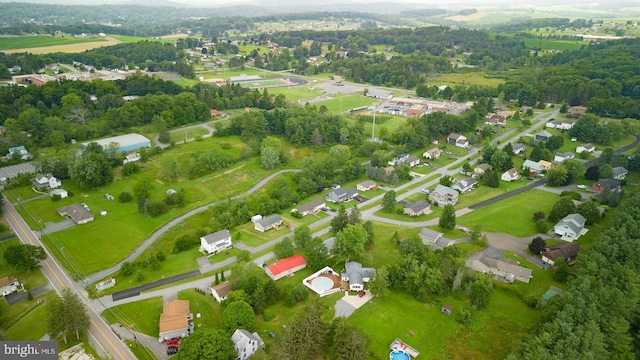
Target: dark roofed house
[
  {"x": 341, "y": 195},
  {"x": 464, "y": 185},
  {"x": 568, "y": 251},
  {"x": 76, "y": 212},
  {"x": 620, "y": 173},
  {"x": 269, "y": 222},
  {"x": 417, "y": 208},
  {"x": 542, "y": 135},
  {"x": 518, "y": 148},
  {"x": 221, "y": 291},
  {"x": 434, "y": 239},
  {"x": 356, "y": 275},
  {"x": 606, "y": 183}
]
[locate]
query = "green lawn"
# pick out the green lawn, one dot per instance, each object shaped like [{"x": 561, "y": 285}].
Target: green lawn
[
  {"x": 178, "y": 135},
  {"x": 140, "y": 351},
  {"x": 513, "y": 216},
  {"x": 548, "y": 44},
  {"x": 25, "y": 42},
  {"x": 142, "y": 316},
  {"x": 31, "y": 280},
  {"x": 25, "y": 320},
  {"x": 206, "y": 305}
]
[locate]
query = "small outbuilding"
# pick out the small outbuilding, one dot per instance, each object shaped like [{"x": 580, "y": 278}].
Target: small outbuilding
[{"x": 446, "y": 309}]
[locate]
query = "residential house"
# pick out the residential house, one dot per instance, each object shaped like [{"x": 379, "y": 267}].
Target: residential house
[
  {"x": 216, "y": 242},
  {"x": 464, "y": 185},
  {"x": 620, "y": 173},
  {"x": 458, "y": 140},
  {"x": 356, "y": 275},
  {"x": 432, "y": 153},
  {"x": 312, "y": 207},
  {"x": 561, "y": 157},
  {"x": 576, "y": 111},
  {"x": 588, "y": 147},
  {"x": 174, "y": 320},
  {"x": 546, "y": 165},
  {"x": 62, "y": 193},
  {"x": 47, "y": 181},
  {"x": 553, "y": 124},
  {"x": 221, "y": 291},
  {"x": 389, "y": 170},
  {"x": 285, "y": 267},
  {"x": 518, "y": 148},
  {"x": 510, "y": 175},
  {"x": 246, "y": 343},
  {"x": 524, "y": 108},
  {"x": 496, "y": 120},
  {"x": 434, "y": 239},
  {"x": 268, "y": 222},
  {"x": 543, "y": 136},
  {"x": 443, "y": 195},
  {"x": 606, "y": 183},
  {"x": 502, "y": 269},
  {"x": 19, "y": 151},
  {"x": 571, "y": 227},
  {"x": 565, "y": 125},
  {"x": 534, "y": 167},
  {"x": 337, "y": 196},
  {"x": 508, "y": 114},
  {"x": 480, "y": 169},
  {"x": 76, "y": 212},
  {"x": 366, "y": 185},
  {"x": 568, "y": 251},
  {"x": 413, "y": 161},
  {"x": 8, "y": 285},
  {"x": 417, "y": 208}
]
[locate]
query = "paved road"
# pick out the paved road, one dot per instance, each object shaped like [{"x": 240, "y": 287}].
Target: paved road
[
  {"x": 100, "y": 335},
  {"x": 206, "y": 126}
]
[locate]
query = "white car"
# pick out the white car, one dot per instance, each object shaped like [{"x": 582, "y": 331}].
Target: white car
[{"x": 582, "y": 186}]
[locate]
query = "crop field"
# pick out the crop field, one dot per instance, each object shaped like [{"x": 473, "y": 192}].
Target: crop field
[
  {"x": 75, "y": 47},
  {"x": 25, "y": 42},
  {"x": 548, "y": 44},
  {"x": 470, "y": 78}
]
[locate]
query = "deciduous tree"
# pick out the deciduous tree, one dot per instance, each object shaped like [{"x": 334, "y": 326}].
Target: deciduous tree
[
  {"x": 207, "y": 343},
  {"x": 448, "y": 218},
  {"x": 24, "y": 256},
  {"x": 237, "y": 315},
  {"x": 389, "y": 201},
  {"x": 351, "y": 241},
  {"x": 537, "y": 245}
]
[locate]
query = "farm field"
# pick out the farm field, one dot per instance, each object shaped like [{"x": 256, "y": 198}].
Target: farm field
[
  {"x": 469, "y": 78},
  {"x": 548, "y": 44},
  {"x": 86, "y": 44},
  {"x": 25, "y": 42}
]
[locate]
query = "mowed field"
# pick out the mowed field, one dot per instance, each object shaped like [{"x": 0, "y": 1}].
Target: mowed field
[{"x": 50, "y": 44}]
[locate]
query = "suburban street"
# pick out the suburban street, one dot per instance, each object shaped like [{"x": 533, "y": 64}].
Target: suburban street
[{"x": 100, "y": 335}]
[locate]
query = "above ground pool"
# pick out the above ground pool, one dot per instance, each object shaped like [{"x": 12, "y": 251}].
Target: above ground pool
[
  {"x": 398, "y": 355},
  {"x": 322, "y": 283}
]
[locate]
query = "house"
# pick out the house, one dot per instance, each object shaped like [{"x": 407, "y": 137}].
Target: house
[
  {"x": 620, "y": 173},
  {"x": 356, "y": 275},
  {"x": 76, "y": 212},
  {"x": 568, "y": 251},
  {"x": 434, "y": 239},
  {"x": 534, "y": 167},
  {"x": 366, "y": 185},
  {"x": 388, "y": 170},
  {"x": 341, "y": 195},
  {"x": 269, "y": 222},
  {"x": 457, "y": 140},
  {"x": 312, "y": 207},
  {"x": 576, "y": 111},
  {"x": 588, "y": 147},
  {"x": 432, "y": 153},
  {"x": 561, "y": 157},
  {"x": 443, "y": 195},
  {"x": 565, "y": 125},
  {"x": 524, "y": 108},
  {"x": 413, "y": 161},
  {"x": 417, "y": 208},
  {"x": 246, "y": 343},
  {"x": 8, "y": 285},
  {"x": 502, "y": 269},
  {"x": 221, "y": 291},
  {"x": 480, "y": 169},
  {"x": 464, "y": 185},
  {"x": 510, "y": 175},
  {"x": 285, "y": 267},
  {"x": 546, "y": 165},
  {"x": 446, "y": 309},
  {"x": 62, "y": 193},
  {"x": 606, "y": 183},
  {"x": 174, "y": 320},
  {"x": 571, "y": 227},
  {"x": 508, "y": 114},
  {"x": 47, "y": 181},
  {"x": 19, "y": 151},
  {"x": 496, "y": 120},
  {"x": 216, "y": 242},
  {"x": 518, "y": 148},
  {"x": 553, "y": 124},
  {"x": 543, "y": 135}
]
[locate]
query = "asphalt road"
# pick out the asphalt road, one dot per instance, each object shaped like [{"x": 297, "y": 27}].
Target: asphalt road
[{"x": 100, "y": 335}]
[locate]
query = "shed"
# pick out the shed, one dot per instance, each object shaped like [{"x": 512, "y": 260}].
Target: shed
[{"x": 446, "y": 309}]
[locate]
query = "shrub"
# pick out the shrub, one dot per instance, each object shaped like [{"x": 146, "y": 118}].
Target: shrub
[
  {"x": 130, "y": 168},
  {"x": 56, "y": 197},
  {"x": 244, "y": 255},
  {"x": 125, "y": 197},
  {"x": 126, "y": 268},
  {"x": 289, "y": 299},
  {"x": 539, "y": 215},
  {"x": 139, "y": 276},
  {"x": 541, "y": 226},
  {"x": 268, "y": 315},
  {"x": 160, "y": 255},
  {"x": 571, "y": 195},
  {"x": 183, "y": 243},
  {"x": 155, "y": 208},
  {"x": 296, "y": 214},
  {"x": 29, "y": 296},
  {"x": 464, "y": 317}
]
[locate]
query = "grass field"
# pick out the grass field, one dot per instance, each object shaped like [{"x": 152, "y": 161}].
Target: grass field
[
  {"x": 24, "y": 42},
  {"x": 30, "y": 280},
  {"x": 469, "y": 78},
  {"x": 26, "y": 320},
  {"x": 75, "y": 47},
  {"x": 548, "y": 44},
  {"x": 143, "y": 315}
]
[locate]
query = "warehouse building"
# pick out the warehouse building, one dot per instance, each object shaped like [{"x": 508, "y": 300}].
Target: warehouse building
[{"x": 128, "y": 142}]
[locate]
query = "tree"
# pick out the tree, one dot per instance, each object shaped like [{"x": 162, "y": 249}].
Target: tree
[
  {"x": 557, "y": 175},
  {"x": 315, "y": 252},
  {"x": 57, "y": 324},
  {"x": 538, "y": 215},
  {"x": 354, "y": 215},
  {"x": 592, "y": 173},
  {"x": 555, "y": 142},
  {"x": 351, "y": 241},
  {"x": 379, "y": 283},
  {"x": 302, "y": 234},
  {"x": 305, "y": 337},
  {"x": 448, "y": 218},
  {"x": 340, "y": 221},
  {"x": 126, "y": 268},
  {"x": 24, "y": 256},
  {"x": 480, "y": 293},
  {"x": 561, "y": 268},
  {"x": 541, "y": 226},
  {"x": 389, "y": 201},
  {"x": 605, "y": 171},
  {"x": 269, "y": 157},
  {"x": 209, "y": 344},
  {"x": 349, "y": 343},
  {"x": 476, "y": 233},
  {"x": 563, "y": 207},
  {"x": 75, "y": 312},
  {"x": 92, "y": 169},
  {"x": 490, "y": 178},
  {"x": 537, "y": 245},
  {"x": 446, "y": 180},
  {"x": 589, "y": 211},
  {"x": 237, "y": 315},
  {"x": 284, "y": 248},
  {"x": 143, "y": 188}
]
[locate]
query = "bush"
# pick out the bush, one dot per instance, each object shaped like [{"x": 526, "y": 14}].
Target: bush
[
  {"x": 56, "y": 197},
  {"x": 541, "y": 226},
  {"x": 125, "y": 197},
  {"x": 126, "y": 268},
  {"x": 175, "y": 199},
  {"x": 139, "y": 276},
  {"x": 29, "y": 296},
  {"x": 244, "y": 255},
  {"x": 268, "y": 315},
  {"x": 155, "y": 208},
  {"x": 130, "y": 168},
  {"x": 289, "y": 299},
  {"x": 183, "y": 243},
  {"x": 539, "y": 215},
  {"x": 571, "y": 195},
  {"x": 464, "y": 317},
  {"x": 160, "y": 255},
  {"x": 296, "y": 214}
]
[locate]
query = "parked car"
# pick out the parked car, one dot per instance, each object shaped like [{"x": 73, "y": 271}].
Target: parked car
[
  {"x": 361, "y": 293},
  {"x": 582, "y": 186},
  {"x": 358, "y": 199},
  {"x": 426, "y": 191}
]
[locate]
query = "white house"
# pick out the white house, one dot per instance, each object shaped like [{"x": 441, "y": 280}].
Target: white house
[
  {"x": 620, "y": 173},
  {"x": 174, "y": 320},
  {"x": 571, "y": 227},
  {"x": 269, "y": 222},
  {"x": 413, "y": 161},
  {"x": 443, "y": 195},
  {"x": 366, "y": 185},
  {"x": 310, "y": 208},
  {"x": 588, "y": 147},
  {"x": 533, "y": 166},
  {"x": 356, "y": 275},
  {"x": 561, "y": 157},
  {"x": 47, "y": 181},
  {"x": 221, "y": 291},
  {"x": 8, "y": 285},
  {"x": 463, "y": 185},
  {"x": 60, "y": 192},
  {"x": 458, "y": 140},
  {"x": 216, "y": 242},
  {"x": 246, "y": 343},
  {"x": 518, "y": 148},
  {"x": 510, "y": 175},
  {"x": 432, "y": 153}
]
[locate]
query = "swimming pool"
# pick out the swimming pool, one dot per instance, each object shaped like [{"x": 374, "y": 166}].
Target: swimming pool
[
  {"x": 398, "y": 355},
  {"x": 322, "y": 283}
]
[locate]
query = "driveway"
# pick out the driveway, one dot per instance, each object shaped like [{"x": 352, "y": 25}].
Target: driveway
[
  {"x": 23, "y": 295},
  {"x": 349, "y": 303},
  {"x": 51, "y": 227}
]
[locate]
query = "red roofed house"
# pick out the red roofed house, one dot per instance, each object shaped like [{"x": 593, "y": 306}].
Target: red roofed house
[{"x": 286, "y": 266}]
